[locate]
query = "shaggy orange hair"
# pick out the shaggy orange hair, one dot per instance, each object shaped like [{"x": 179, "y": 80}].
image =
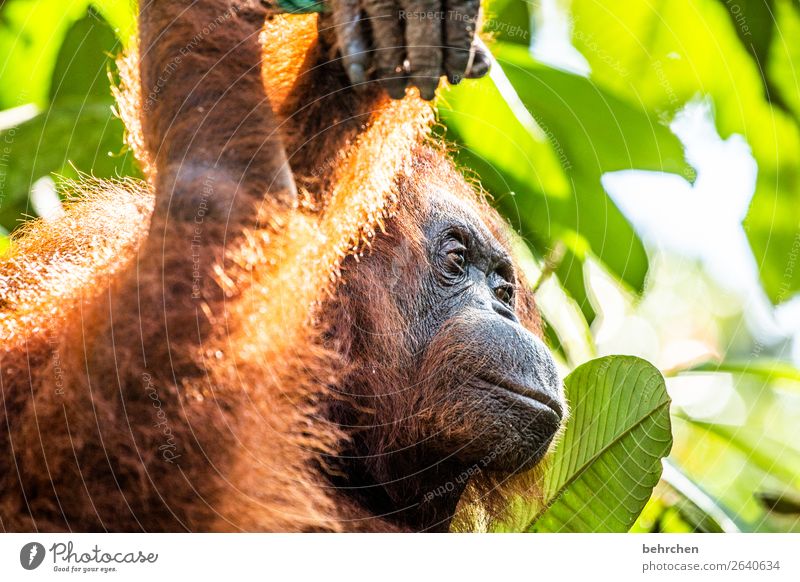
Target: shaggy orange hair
[{"x": 156, "y": 379}]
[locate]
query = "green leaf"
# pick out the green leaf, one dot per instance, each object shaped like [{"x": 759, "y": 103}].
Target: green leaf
[
  {"x": 508, "y": 144},
  {"x": 570, "y": 272},
  {"x": 83, "y": 137},
  {"x": 78, "y": 132},
  {"x": 784, "y": 56},
  {"x": 770, "y": 456},
  {"x": 599, "y": 131},
  {"x": 81, "y": 68},
  {"x": 701, "y": 510},
  {"x": 595, "y": 132},
  {"x": 609, "y": 459},
  {"x": 31, "y": 34},
  {"x": 763, "y": 368},
  {"x": 772, "y": 224},
  {"x": 726, "y": 471},
  {"x": 508, "y": 21},
  {"x": 550, "y": 333},
  {"x": 754, "y": 23},
  {"x": 654, "y": 55},
  {"x": 30, "y": 38},
  {"x": 541, "y": 154}
]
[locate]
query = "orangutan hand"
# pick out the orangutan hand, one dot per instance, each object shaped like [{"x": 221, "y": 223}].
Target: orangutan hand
[{"x": 403, "y": 43}]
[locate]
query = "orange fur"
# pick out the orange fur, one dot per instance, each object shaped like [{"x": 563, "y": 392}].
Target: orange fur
[{"x": 138, "y": 397}]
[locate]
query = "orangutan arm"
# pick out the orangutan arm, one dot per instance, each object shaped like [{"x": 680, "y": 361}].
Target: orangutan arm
[{"x": 206, "y": 119}]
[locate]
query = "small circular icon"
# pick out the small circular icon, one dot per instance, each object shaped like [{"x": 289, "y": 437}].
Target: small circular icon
[{"x": 31, "y": 555}]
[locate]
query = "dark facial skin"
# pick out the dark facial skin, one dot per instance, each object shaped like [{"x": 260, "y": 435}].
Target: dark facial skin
[
  {"x": 484, "y": 363},
  {"x": 481, "y": 393}
]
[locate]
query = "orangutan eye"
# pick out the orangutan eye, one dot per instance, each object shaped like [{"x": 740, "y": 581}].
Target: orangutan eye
[
  {"x": 457, "y": 259},
  {"x": 504, "y": 292},
  {"x": 454, "y": 257}
]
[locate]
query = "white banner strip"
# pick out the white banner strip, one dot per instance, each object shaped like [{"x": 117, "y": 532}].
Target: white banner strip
[{"x": 355, "y": 557}]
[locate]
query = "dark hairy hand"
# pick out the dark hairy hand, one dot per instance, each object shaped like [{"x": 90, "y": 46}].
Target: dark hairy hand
[{"x": 402, "y": 43}]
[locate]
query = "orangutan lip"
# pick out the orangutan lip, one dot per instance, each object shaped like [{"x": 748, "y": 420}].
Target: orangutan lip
[{"x": 539, "y": 396}]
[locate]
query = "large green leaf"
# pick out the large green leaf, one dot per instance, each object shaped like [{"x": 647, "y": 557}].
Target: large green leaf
[
  {"x": 511, "y": 152},
  {"x": 754, "y": 23},
  {"x": 61, "y": 141},
  {"x": 609, "y": 458}
]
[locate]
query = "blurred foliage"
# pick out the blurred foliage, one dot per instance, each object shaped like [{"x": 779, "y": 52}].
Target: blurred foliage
[
  {"x": 539, "y": 139},
  {"x": 61, "y": 65},
  {"x": 660, "y": 56}
]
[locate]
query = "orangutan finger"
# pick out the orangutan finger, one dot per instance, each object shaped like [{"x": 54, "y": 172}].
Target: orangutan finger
[
  {"x": 352, "y": 40},
  {"x": 423, "y": 23},
  {"x": 461, "y": 21},
  {"x": 388, "y": 45}
]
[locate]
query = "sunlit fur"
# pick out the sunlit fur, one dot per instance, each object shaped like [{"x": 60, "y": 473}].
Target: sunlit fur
[{"x": 95, "y": 321}]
